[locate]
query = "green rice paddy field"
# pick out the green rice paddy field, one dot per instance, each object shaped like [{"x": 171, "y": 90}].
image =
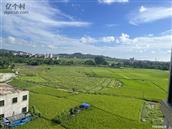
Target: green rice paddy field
[{"x": 120, "y": 98}]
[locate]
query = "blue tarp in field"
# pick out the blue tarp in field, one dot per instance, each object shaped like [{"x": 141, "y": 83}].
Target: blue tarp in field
[{"x": 85, "y": 105}]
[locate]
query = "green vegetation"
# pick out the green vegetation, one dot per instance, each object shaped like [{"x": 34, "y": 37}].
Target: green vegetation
[
  {"x": 151, "y": 113},
  {"x": 8, "y": 58},
  {"x": 118, "y": 97},
  {"x": 99, "y": 60},
  {"x": 5, "y": 70}
]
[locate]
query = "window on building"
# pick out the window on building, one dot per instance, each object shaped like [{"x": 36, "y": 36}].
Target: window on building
[
  {"x": 1, "y": 103},
  {"x": 14, "y": 100},
  {"x": 24, "y": 110},
  {"x": 24, "y": 97}
]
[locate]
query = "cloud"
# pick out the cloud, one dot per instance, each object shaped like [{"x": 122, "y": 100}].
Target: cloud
[
  {"x": 40, "y": 27},
  {"x": 142, "y": 42},
  {"x": 12, "y": 41},
  {"x": 93, "y": 40},
  {"x": 111, "y": 25},
  {"x": 124, "y": 38},
  {"x": 108, "y": 39},
  {"x": 147, "y": 42},
  {"x": 51, "y": 46},
  {"x": 71, "y": 23},
  {"x": 88, "y": 40},
  {"x": 112, "y": 1},
  {"x": 168, "y": 32},
  {"x": 143, "y": 47},
  {"x": 39, "y": 32},
  {"x": 142, "y": 9},
  {"x": 149, "y": 14}
]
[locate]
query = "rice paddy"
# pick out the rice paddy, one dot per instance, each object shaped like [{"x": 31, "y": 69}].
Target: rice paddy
[{"x": 117, "y": 96}]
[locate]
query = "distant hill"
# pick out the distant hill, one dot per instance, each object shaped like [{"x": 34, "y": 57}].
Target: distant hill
[
  {"x": 74, "y": 55},
  {"x": 12, "y": 56},
  {"x": 4, "y": 51}
]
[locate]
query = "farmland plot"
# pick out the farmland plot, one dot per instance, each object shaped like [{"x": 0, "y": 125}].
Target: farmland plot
[{"x": 117, "y": 96}]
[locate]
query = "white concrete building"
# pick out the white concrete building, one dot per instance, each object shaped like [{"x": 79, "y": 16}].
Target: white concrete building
[{"x": 13, "y": 101}]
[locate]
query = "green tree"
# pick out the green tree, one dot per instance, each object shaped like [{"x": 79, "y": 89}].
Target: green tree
[
  {"x": 99, "y": 60},
  {"x": 89, "y": 62}
]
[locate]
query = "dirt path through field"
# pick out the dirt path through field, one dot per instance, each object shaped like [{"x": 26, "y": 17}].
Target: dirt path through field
[{"x": 6, "y": 76}]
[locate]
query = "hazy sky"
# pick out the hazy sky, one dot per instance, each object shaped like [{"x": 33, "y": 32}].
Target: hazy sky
[{"x": 115, "y": 28}]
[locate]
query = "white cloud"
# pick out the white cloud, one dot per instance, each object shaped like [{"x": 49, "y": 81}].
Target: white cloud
[
  {"x": 150, "y": 35},
  {"x": 51, "y": 46},
  {"x": 147, "y": 42},
  {"x": 11, "y": 39},
  {"x": 124, "y": 37},
  {"x": 168, "y": 32},
  {"x": 150, "y": 14},
  {"x": 32, "y": 33},
  {"x": 144, "y": 47},
  {"x": 88, "y": 40},
  {"x": 40, "y": 27},
  {"x": 112, "y": 1},
  {"x": 108, "y": 39},
  {"x": 71, "y": 23},
  {"x": 142, "y": 9},
  {"x": 93, "y": 40},
  {"x": 142, "y": 42}
]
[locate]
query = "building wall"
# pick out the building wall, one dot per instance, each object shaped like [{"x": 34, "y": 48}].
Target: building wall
[
  {"x": 10, "y": 109},
  {"x": 167, "y": 111},
  {"x": 167, "y": 124}
]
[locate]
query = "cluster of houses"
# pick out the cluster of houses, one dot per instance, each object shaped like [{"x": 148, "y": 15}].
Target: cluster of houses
[{"x": 47, "y": 55}]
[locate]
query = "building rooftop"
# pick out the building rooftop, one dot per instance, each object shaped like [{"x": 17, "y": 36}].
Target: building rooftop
[{"x": 8, "y": 89}]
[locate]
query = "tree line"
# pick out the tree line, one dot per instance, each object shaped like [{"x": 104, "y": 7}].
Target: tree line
[{"x": 8, "y": 60}]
